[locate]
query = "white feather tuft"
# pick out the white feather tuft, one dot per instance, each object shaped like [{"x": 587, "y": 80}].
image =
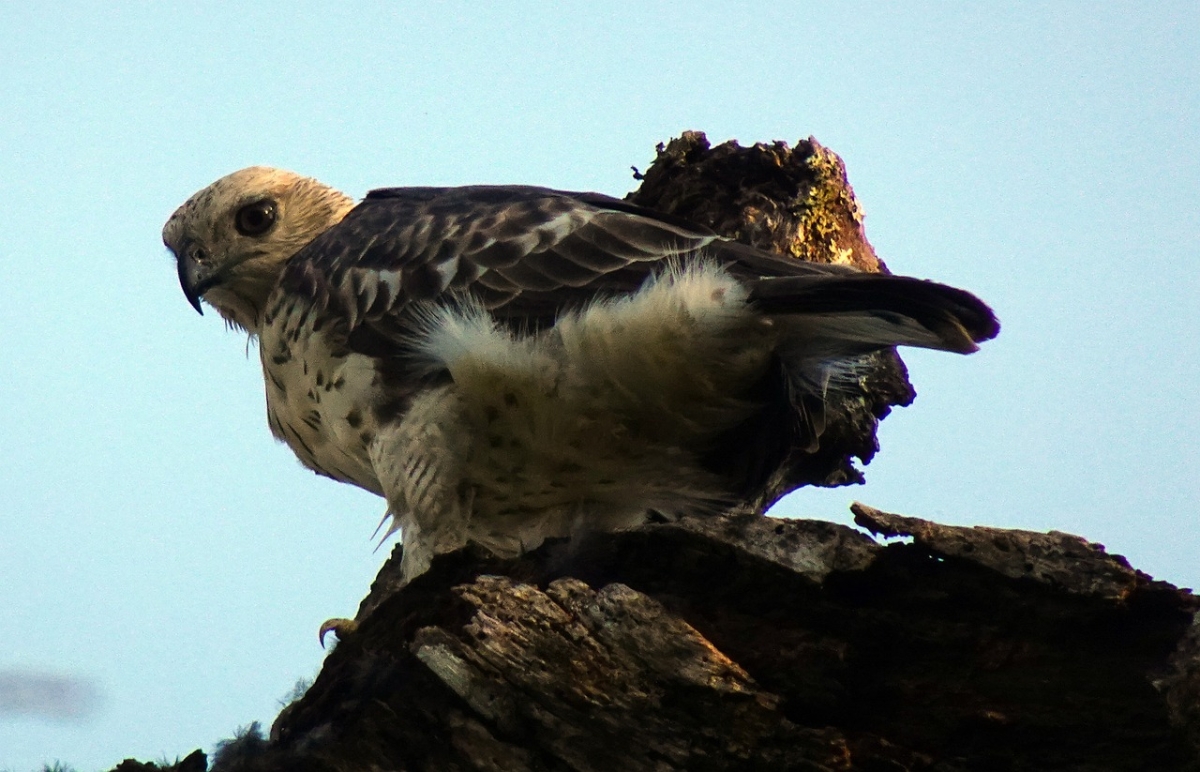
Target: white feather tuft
[{"x": 595, "y": 421}]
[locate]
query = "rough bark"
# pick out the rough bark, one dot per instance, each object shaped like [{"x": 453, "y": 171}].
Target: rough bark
[
  {"x": 762, "y": 644},
  {"x": 747, "y": 642}
]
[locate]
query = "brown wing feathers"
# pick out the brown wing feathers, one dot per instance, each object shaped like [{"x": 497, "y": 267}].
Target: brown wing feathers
[{"x": 529, "y": 253}]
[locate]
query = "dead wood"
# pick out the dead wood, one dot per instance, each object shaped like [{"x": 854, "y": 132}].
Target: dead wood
[{"x": 756, "y": 643}]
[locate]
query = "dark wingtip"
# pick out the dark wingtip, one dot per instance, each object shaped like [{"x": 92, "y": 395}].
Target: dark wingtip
[
  {"x": 977, "y": 317},
  {"x": 967, "y": 323}
]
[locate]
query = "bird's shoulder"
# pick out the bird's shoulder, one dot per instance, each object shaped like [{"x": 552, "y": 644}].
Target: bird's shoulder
[
  {"x": 522, "y": 251},
  {"x": 525, "y": 253}
]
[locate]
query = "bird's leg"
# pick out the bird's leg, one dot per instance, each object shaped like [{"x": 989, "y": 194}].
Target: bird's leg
[
  {"x": 341, "y": 626},
  {"x": 420, "y": 460}
]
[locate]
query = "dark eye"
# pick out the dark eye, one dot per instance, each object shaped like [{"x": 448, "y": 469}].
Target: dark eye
[{"x": 255, "y": 219}]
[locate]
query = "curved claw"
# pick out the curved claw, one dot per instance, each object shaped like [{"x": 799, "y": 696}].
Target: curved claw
[{"x": 340, "y": 627}]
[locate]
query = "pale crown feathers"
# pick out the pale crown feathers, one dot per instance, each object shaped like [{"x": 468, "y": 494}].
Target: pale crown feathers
[{"x": 232, "y": 238}]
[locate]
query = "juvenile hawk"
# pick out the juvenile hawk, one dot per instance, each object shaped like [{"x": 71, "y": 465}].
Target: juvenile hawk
[{"x": 507, "y": 364}]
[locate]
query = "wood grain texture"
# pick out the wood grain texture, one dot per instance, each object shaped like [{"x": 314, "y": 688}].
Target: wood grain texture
[{"x": 757, "y": 643}]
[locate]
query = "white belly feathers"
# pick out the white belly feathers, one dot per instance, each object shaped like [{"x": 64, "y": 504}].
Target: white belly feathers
[{"x": 597, "y": 420}]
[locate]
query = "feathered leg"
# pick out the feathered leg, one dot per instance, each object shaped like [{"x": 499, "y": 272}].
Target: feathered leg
[{"x": 421, "y": 461}]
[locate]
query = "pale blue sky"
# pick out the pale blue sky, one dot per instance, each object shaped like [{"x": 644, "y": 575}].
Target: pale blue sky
[{"x": 158, "y": 546}]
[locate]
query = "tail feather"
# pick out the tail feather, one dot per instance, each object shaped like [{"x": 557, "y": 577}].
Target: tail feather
[{"x": 848, "y": 314}]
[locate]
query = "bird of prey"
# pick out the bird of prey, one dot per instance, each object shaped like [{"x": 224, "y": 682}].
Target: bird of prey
[{"x": 508, "y": 364}]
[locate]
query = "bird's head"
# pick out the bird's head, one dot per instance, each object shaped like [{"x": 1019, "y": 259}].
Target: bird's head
[{"x": 231, "y": 239}]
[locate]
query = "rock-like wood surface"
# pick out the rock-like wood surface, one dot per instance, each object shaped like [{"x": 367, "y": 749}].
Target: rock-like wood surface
[{"x": 762, "y": 644}]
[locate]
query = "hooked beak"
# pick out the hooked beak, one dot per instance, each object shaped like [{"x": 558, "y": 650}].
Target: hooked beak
[{"x": 195, "y": 279}]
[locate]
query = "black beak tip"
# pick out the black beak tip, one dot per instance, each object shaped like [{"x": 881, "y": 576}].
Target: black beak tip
[{"x": 188, "y": 283}]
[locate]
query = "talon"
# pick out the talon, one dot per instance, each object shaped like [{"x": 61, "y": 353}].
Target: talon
[{"x": 341, "y": 627}]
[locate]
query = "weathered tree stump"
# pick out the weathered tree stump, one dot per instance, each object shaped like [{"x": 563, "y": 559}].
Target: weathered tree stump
[{"x": 763, "y": 644}]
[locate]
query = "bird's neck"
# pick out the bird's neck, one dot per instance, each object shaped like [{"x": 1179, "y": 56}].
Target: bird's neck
[
  {"x": 241, "y": 303},
  {"x": 242, "y": 300}
]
